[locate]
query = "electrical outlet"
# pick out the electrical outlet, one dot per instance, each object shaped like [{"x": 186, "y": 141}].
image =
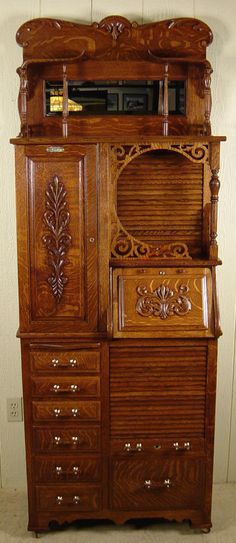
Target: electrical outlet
[{"x": 14, "y": 410}]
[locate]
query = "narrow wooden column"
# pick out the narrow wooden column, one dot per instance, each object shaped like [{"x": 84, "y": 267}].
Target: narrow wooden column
[
  {"x": 206, "y": 93},
  {"x": 215, "y": 187},
  {"x": 166, "y": 102},
  {"x": 65, "y": 103},
  {"x": 22, "y": 100}
]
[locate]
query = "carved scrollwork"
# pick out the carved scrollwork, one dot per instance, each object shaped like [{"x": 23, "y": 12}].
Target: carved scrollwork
[
  {"x": 126, "y": 246},
  {"x": 122, "y": 155},
  {"x": 163, "y": 302},
  {"x": 57, "y": 240}
]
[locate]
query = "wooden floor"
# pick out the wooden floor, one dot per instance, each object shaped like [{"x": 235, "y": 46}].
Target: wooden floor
[{"x": 13, "y": 521}]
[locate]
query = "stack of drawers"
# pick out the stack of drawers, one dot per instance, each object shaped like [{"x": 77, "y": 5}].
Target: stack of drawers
[{"x": 66, "y": 414}]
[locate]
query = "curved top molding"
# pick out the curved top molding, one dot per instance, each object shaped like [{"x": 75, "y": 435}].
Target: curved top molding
[{"x": 114, "y": 38}]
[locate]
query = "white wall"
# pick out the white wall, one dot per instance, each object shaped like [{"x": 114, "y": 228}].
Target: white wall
[{"x": 221, "y": 18}]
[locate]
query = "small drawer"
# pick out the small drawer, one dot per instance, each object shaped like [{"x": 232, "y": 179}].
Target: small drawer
[
  {"x": 79, "y": 361},
  {"x": 75, "y": 387},
  {"x": 68, "y": 498},
  {"x": 59, "y": 469},
  {"x": 149, "y": 483},
  {"x": 72, "y": 439},
  {"x": 59, "y": 410}
]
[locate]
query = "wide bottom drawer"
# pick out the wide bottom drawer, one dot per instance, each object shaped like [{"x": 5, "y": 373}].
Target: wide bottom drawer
[
  {"x": 149, "y": 483},
  {"x": 68, "y": 498}
]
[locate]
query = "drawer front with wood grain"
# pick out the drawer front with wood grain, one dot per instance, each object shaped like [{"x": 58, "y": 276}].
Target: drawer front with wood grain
[
  {"x": 62, "y": 410},
  {"x": 73, "y": 361},
  {"x": 148, "y": 484},
  {"x": 68, "y": 498},
  {"x": 58, "y": 440},
  {"x": 79, "y": 469},
  {"x": 75, "y": 387},
  {"x": 166, "y": 302}
]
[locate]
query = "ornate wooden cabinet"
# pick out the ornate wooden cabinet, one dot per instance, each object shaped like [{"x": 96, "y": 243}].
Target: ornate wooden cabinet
[{"x": 117, "y": 192}]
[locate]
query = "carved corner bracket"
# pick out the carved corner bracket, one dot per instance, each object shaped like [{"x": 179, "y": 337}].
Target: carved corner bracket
[
  {"x": 58, "y": 239},
  {"x": 163, "y": 302}
]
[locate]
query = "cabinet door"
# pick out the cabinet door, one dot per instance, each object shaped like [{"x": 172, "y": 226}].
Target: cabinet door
[
  {"x": 59, "y": 292},
  {"x": 166, "y": 302}
]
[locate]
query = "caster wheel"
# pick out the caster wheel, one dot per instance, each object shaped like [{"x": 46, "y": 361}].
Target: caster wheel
[{"x": 205, "y": 530}]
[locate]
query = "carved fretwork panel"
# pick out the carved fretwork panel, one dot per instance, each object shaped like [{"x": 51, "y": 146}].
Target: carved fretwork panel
[
  {"x": 63, "y": 238},
  {"x": 151, "y": 302},
  {"x": 158, "y": 189}
]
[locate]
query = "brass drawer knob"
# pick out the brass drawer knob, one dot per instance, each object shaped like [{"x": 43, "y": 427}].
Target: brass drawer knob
[
  {"x": 57, "y": 439},
  {"x": 138, "y": 448},
  {"x": 75, "y": 440},
  {"x": 76, "y": 470},
  {"x": 56, "y": 364},
  {"x": 76, "y": 499},
  {"x": 167, "y": 483},
  {"x": 59, "y": 500},
  {"x": 73, "y": 362},
  {"x": 58, "y": 470},
  {"x": 74, "y": 388},
  {"x": 185, "y": 447},
  {"x": 75, "y": 412},
  {"x": 56, "y": 388},
  {"x": 56, "y": 412}
]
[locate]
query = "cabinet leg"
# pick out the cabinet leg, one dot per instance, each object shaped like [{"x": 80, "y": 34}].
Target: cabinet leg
[{"x": 206, "y": 530}]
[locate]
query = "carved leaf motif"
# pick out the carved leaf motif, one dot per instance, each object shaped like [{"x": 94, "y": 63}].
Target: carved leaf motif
[
  {"x": 163, "y": 302},
  {"x": 57, "y": 240}
]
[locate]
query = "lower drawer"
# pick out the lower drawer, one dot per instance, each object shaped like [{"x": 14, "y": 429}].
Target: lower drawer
[
  {"x": 57, "y": 410},
  {"x": 70, "y": 439},
  {"x": 71, "y": 469},
  {"x": 68, "y": 498},
  {"x": 149, "y": 484}
]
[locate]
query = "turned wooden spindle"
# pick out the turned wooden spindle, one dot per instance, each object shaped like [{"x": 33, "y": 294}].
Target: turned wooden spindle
[
  {"x": 214, "y": 187},
  {"x": 65, "y": 103},
  {"x": 206, "y": 93},
  {"x": 22, "y": 100},
  {"x": 166, "y": 102}
]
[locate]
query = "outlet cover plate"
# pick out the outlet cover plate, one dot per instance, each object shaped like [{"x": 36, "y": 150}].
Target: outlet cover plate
[{"x": 14, "y": 410}]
